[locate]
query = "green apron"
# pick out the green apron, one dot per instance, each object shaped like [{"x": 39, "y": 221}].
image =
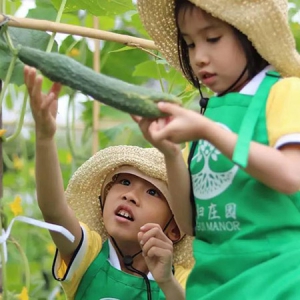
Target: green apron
[
  {"x": 247, "y": 243},
  {"x": 103, "y": 281}
]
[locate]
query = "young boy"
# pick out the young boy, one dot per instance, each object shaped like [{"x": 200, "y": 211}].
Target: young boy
[{"x": 116, "y": 206}]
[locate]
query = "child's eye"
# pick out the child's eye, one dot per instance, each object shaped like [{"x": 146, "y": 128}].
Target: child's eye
[
  {"x": 213, "y": 40},
  {"x": 124, "y": 182},
  {"x": 153, "y": 192},
  {"x": 190, "y": 46}
]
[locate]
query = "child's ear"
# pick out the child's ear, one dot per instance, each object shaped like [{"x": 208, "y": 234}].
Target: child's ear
[{"x": 173, "y": 232}]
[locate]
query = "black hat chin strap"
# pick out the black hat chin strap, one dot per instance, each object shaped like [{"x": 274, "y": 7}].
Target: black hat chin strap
[
  {"x": 235, "y": 83},
  {"x": 204, "y": 100},
  {"x": 128, "y": 262}
]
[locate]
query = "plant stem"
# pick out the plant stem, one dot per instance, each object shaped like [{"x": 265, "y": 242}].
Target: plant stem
[
  {"x": 9, "y": 42},
  {"x": 25, "y": 261},
  {"x": 21, "y": 119},
  {"x": 160, "y": 77},
  {"x": 57, "y": 20},
  {"x": 7, "y": 78},
  {"x": 9, "y": 164},
  {"x": 69, "y": 139}
]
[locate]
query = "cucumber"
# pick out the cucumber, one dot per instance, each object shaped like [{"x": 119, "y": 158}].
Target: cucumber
[{"x": 121, "y": 95}]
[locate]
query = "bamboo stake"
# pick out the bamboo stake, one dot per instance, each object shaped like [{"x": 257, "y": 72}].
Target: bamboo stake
[
  {"x": 93, "y": 33},
  {"x": 96, "y": 104}
]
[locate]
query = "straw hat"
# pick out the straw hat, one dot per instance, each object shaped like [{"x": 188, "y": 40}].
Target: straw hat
[
  {"x": 264, "y": 22},
  {"x": 90, "y": 180}
]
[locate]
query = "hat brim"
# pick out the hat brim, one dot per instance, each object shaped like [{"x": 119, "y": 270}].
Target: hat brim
[{"x": 265, "y": 23}]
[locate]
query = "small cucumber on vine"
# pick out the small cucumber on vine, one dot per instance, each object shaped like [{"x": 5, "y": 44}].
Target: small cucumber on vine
[{"x": 127, "y": 97}]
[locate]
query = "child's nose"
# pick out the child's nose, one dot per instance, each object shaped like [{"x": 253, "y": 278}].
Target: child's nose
[
  {"x": 201, "y": 57},
  {"x": 131, "y": 197}
]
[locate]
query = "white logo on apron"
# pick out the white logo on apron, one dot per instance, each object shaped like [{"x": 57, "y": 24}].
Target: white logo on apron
[{"x": 208, "y": 184}]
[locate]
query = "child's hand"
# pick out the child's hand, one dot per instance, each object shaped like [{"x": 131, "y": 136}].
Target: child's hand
[
  {"x": 150, "y": 126},
  {"x": 184, "y": 125},
  {"x": 157, "y": 251},
  {"x": 43, "y": 106}
]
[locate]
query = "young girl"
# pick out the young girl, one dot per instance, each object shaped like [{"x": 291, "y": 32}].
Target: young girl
[
  {"x": 240, "y": 196},
  {"x": 117, "y": 207}
]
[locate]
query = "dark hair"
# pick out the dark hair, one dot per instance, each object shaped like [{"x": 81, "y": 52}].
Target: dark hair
[{"x": 255, "y": 63}]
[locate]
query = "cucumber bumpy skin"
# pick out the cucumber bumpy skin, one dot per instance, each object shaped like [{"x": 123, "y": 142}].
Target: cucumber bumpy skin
[{"x": 127, "y": 97}]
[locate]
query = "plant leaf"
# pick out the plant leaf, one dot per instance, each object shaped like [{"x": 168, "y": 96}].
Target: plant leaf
[
  {"x": 20, "y": 36},
  {"x": 97, "y": 7}
]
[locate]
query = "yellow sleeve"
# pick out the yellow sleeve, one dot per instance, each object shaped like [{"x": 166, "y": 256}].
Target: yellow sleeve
[
  {"x": 283, "y": 112},
  {"x": 181, "y": 274},
  {"x": 89, "y": 249},
  {"x": 185, "y": 153}
]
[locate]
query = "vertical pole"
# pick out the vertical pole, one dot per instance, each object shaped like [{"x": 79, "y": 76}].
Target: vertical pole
[
  {"x": 96, "y": 104},
  {"x": 2, "y": 268}
]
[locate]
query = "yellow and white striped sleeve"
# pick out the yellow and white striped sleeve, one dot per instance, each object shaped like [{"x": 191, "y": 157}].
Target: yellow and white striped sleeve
[{"x": 283, "y": 113}]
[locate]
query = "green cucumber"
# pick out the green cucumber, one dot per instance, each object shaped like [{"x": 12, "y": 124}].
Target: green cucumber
[{"x": 121, "y": 95}]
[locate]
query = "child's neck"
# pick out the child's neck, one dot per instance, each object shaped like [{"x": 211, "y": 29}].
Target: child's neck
[
  {"x": 130, "y": 249},
  {"x": 138, "y": 263}
]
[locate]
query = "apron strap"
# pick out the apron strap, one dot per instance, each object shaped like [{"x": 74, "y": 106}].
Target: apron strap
[
  {"x": 192, "y": 200},
  {"x": 92, "y": 270},
  {"x": 242, "y": 147}
]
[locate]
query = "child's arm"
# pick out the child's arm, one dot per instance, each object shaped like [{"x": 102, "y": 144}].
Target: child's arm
[
  {"x": 158, "y": 253},
  {"x": 49, "y": 182},
  {"x": 278, "y": 169},
  {"x": 178, "y": 175}
]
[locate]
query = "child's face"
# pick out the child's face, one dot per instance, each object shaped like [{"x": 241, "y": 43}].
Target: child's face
[
  {"x": 130, "y": 203},
  {"x": 216, "y": 56}
]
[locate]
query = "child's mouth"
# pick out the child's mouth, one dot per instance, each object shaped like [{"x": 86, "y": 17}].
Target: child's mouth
[
  {"x": 124, "y": 214},
  {"x": 208, "y": 78}
]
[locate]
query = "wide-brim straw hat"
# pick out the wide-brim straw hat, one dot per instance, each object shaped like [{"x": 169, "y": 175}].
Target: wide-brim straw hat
[
  {"x": 264, "y": 22},
  {"x": 91, "y": 178}
]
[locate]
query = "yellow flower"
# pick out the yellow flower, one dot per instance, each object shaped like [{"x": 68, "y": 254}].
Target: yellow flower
[
  {"x": 51, "y": 248},
  {"x": 58, "y": 295},
  {"x": 2, "y": 132},
  {"x": 16, "y": 207},
  {"x": 74, "y": 52},
  {"x": 188, "y": 88},
  {"x": 69, "y": 158},
  {"x": 24, "y": 294},
  {"x": 31, "y": 172},
  {"x": 18, "y": 162}
]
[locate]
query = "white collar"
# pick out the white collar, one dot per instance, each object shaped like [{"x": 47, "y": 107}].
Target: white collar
[
  {"x": 114, "y": 260},
  {"x": 252, "y": 86}
]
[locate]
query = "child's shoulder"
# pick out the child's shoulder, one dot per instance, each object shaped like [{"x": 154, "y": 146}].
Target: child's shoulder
[
  {"x": 287, "y": 87},
  {"x": 181, "y": 274},
  {"x": 288, "y": 83}
]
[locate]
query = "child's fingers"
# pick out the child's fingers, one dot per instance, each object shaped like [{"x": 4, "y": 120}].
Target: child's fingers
[
  {"x": 36, "y": 89},
  {"x": 30, "y": 79},
  {"x": 149, "y": 226},
  {"x": 153, "y": 231},
  {"x": 169, "y": 108},
  {"x": 158, "y": 252},
  {"x": 135, "y": 118},
  {"x": 26, "y": 74},
  {"x": 156, "y": 247},
  {"x": 47, "y": 101},
  {"x": 55, "y": 89}
]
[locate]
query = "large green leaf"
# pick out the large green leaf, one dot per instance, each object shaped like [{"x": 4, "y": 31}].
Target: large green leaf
[
  {"x": 121, "y": 64},
  {"x": 133, "y": 20},
  {"x": 19, "y": 36},
  {"x": 12, "y": 6},
  {"x": 44, "y": 10},
  {"x": 97, "y": 7}
]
